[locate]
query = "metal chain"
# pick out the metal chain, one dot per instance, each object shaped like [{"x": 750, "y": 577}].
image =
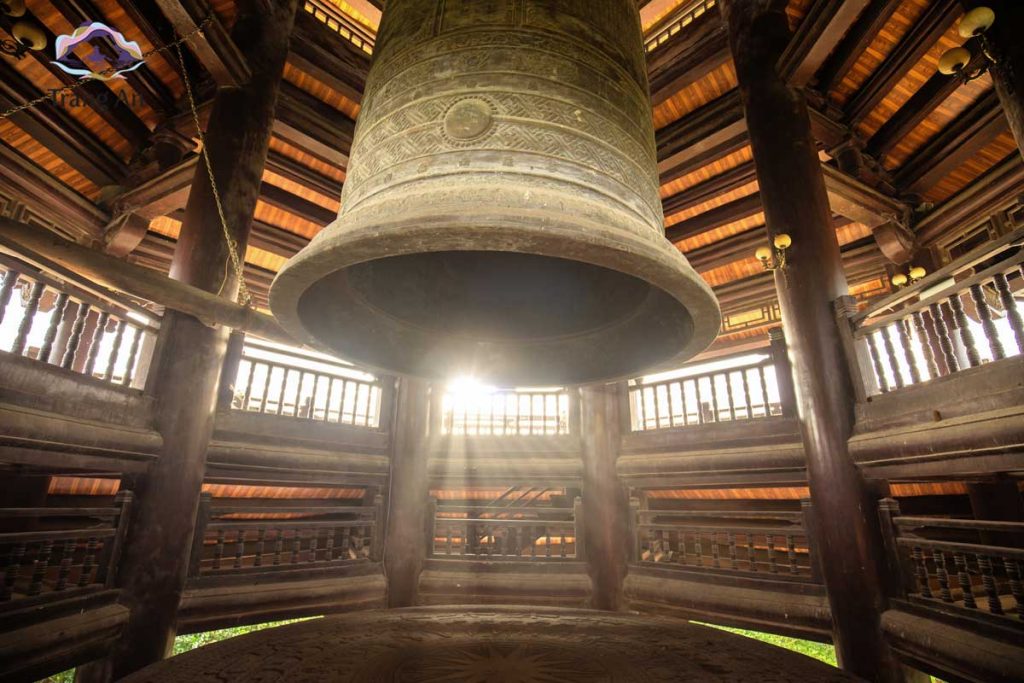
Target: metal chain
[
  {"x": 109, "y": 71},
  {"x": 236, "y": 262}
]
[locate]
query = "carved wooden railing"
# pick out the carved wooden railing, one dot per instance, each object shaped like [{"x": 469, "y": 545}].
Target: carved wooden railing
[
  {"x": 768, "y": 545},
  {"x": 678, "y": 20},
  {"x": 962, "y": 566},
  {"x": 64, "y": 553},
  {"x": 745, "y": 392},
  {"x": 529, "y": 534},
  {"x": 307, "y": 388},
  {"x": 339, "y": 22},
  {"x": 242, "y": 540},
  {"x": 61, "y": 324},
  {"x": 506, "y": 413},
  {"x": 964, "y": 315}
]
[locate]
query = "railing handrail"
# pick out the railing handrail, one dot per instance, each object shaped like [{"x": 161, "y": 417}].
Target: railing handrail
[
  {"x": 711, "y": 528},
  {"x": 483, "y": 510},
  {"x": 360, "y": 510},
  {"x": 955, "y": 288},
  {"x": 793, "y": 517},
  {"x": 955, "y": 547},
  {"x": 286, "y": 524},
  {"x": 310, "y": 371},
  {"x": 34, "y": 536},
  {"x": 968, "y": 260},
  {"x": 946, "y": 523},
  {"x": 509, "y": 522},
  {"x": 765, "y": 362},
  {"x": 60, "y": 512}
]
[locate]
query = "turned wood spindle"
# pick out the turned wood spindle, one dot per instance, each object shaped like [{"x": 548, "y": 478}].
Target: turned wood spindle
[
  {"x": 1013, "y": 314},
  {"x": 921, "y": 572},
  {"x": 731, "y": 538},
  {"x": 964, "y": 579},
  {"x": 314, "y": 545},
  {"x": 239, "y": 548},
  {"x": 729, "y": 396},
  {"x": 27, "y": 318},
  {"x": 772, "y": 564},
  {"x": 133, "y": 354},
  {"x": 13, "y": 568},
  {"x": 876, "y": 361},
  {"x": 988, "y": 325},
  {"x": 67, "y": 556},
  {"x": 97, "y": 340},
  {"x": 1013, "y": 576},
  {"x": 261, "y": 537},
  {"x": 903, "y": 328},
  {"x": 942, "y": 575},
  {"x": 42, "y": 563},
  {"x": 714, "y": 399},
  {"x": 791, "y": 553},
  {"x": 749, "y": 404},
  {"x": 6, "y": 290},
  {"x": 89, "y": 563},
  {"x": 890, "y": 352},
  {"x": 714, "y": 551},
  {"x": 218, "y": 549},
  {"x": 266, "y": 387},
  {"x": 923, "y": 334},
  {"x": 956, "y": 304},
  {"x": 278, "y": 545},
  {"x": 296, "y": 547},
  {"x": 698, "y": 551},
  {"x": 938, "y": 319},
  {"x": 115, "y": 351},
  {"x": 988, "y": 582},
  {"x": 75, "y": 338},
  {"x": 59, "y": 306},
  {"x": 751, "y": 553}
]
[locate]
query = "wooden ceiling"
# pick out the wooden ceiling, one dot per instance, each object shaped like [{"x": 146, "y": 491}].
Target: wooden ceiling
[{"x": 127, "y": 148}]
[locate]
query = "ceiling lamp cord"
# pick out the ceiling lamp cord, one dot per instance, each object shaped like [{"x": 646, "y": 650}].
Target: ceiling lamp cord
[{"x": 236, "y": 263}]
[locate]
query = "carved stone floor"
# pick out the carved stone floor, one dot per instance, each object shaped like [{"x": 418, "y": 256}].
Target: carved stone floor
[{"x": 490, "y": 645}]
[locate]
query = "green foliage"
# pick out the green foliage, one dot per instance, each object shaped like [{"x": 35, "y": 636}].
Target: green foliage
[
  {"x": 194, "y": 640},
  {"x": 820, "y": 651}
]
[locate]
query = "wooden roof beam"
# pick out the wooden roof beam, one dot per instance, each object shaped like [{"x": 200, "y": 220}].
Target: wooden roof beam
[
  {"x": 296, "y": 205},
  {"x": 818, "y": 35},
  {"x": 709, "y": 133},
  {"x": 687, "y": 56},
  {"x": 313, "y": 126},
  {"x": 213, "y": 46},
  {"x": 733, "y": 211},
  {"x": 737, "y": 247},
  {"x": 730, "y": 180},
  {"x": 969, "y": 133},
  {"x": 317, "y": 51},
  {"x": 854, "y": 43},
  {"x": 918, "y": 40},
  {"x": 160, "y": 195}
]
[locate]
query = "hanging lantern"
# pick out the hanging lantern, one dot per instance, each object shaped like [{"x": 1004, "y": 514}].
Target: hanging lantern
[{"x": 501, "y": 215}]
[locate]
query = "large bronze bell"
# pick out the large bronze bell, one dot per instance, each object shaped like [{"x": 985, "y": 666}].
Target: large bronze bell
[{"x": 501, "y": 216}]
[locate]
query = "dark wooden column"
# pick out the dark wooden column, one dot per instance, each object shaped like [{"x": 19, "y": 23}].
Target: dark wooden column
[
  {"x": 606, "y": 540},
  {"x": 795, "y": 202},
  {"x": 1008, "y": 49},
  {"x": 184, "y": 377},
  {"x": 405, "y": 542}
]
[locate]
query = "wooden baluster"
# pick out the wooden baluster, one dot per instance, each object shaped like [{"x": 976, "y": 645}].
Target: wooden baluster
[
  {"x": 533, "y": 542},
  {"x": 751, "y": 553},
  {"x": 714, "y": 397},
  {"x": 239, "y": 548},
  {"x": 1013, "y": 576},
  {"x": 698, "y": 551},
  {"x": 67, "y": 361},
  {"x": 341, "y": 406},
  {"x": 729, "y": 396},
  {"x": 89, "y": 563},
  {"x": 448, "y": 540},
  {"x": 988, "y": 582},
  {"x": 731, "y": 537},
  {"x": 921, "y": 572},
  {"x": 298, "y": 395},
  {"x": 67, "y": 556},
  {"x": 296, "y": 547},
  {"x": 59, "y": 306},
  {"x": 903, "y": 328},
  {"x": 314, "y": 543},
  {"x": 562, "y": 543},
  {"x": 27, "y": 318},
  {"x": 791, "y": 553},
  {"x": 988, "y": 326},
  {"x": 266, "y": 387},
  {"x": 890, "y": 352},
  {"x": 247, "y": 394},
  {"x": 700, "y": 403},
  {"x": 329, "y": 547},
  {"x": 764, "y": 391},
  {"x": 218, "y": 549},
  {"x": 6, "y": 290},
  {"x": 926, "y": 347},
  {"x": 714, "y": 551},
  {"x": 966, "y": 337},
  {"x": 942, "y": 574},
  {"x": 876, "y": 361},
  {"x": 682, "y": 547},
  {"x": 312, "y": 399},
  {"x": 285, "y": 372},
  {"x": 278, "y": 545},
  {"x": 115, "y": 351},
  {"x": 747, "y": 399},
  {"x": 547, "y": 542},
  {"x": 14, "y": 560},
  {"x": 773, "y": 566},
  {"x": 1013, "y": 315},
  {"x": 133, "y": 354},
  {"x": 261, "y": 537},
  {"x": 39, "y": 567},
  {"x": 942, "y": 334},
  {"x": 97, "y": 339},
  {"x": 964, "y": 579}
]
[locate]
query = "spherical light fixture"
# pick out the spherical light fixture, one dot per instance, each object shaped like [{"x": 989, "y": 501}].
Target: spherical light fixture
[
  {"x": 12, "y": 8},
  {"x": 917, "y": 273},
  {"x": 899, "y": 280},
  {"x": 782, "y": 241},
  {"x": 29, "y": 34},
  {"x": 976, "y": 22},
  {"x": 954, "y": 61},
  {"x": 763, "y": 254}
]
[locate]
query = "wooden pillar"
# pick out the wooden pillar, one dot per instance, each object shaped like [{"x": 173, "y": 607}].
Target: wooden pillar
[
  {"x": 783, "y": 370},
  {"x": 229, "y": 371},
  {"x": 605, "y": 503},
  {"x": 405, "y": 542},
  {"x": 1008, "y": 50},
  {"x": 185, "y": 375},
  {"x": 792, "y": 189}
]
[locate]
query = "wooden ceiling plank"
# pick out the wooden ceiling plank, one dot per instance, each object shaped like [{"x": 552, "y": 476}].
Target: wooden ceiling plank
[
  {"x": 733, "y": 211},
  {"x": 311, "y": 180},
  {"x": 142, "y": 80},
  {"x": 213, "y": 46},
  {"x": 305, "y": 122},
  {"x": 276, "y": 240},
  {"x": 966, "y": 136},
  {"x": 693, "y": 196},
  {"x": 94, "y": 93},
  {"x": 295, "y": 205},
  {"x": 687, "y": 56},
  {"x": 919, "y": 39},
  {"x": 856, "y": 41},
  {"x": 55, "y": 129},
  {"x": 818, "y": 35}
]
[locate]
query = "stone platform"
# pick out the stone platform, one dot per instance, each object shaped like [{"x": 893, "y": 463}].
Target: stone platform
[{"x": 490, "y": 645}]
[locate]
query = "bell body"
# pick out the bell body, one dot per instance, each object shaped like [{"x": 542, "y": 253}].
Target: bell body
[{"x": 501, "y": 216}]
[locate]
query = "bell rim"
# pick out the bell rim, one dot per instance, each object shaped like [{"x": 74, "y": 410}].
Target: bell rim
[{"x": 356, "y": 238}]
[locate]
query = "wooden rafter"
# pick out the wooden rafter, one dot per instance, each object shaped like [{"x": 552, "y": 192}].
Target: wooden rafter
[
  {"x": 819, "y": 34},
  {"x": 213, "y": 46},
  {"x": 855, "y": 42}
]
